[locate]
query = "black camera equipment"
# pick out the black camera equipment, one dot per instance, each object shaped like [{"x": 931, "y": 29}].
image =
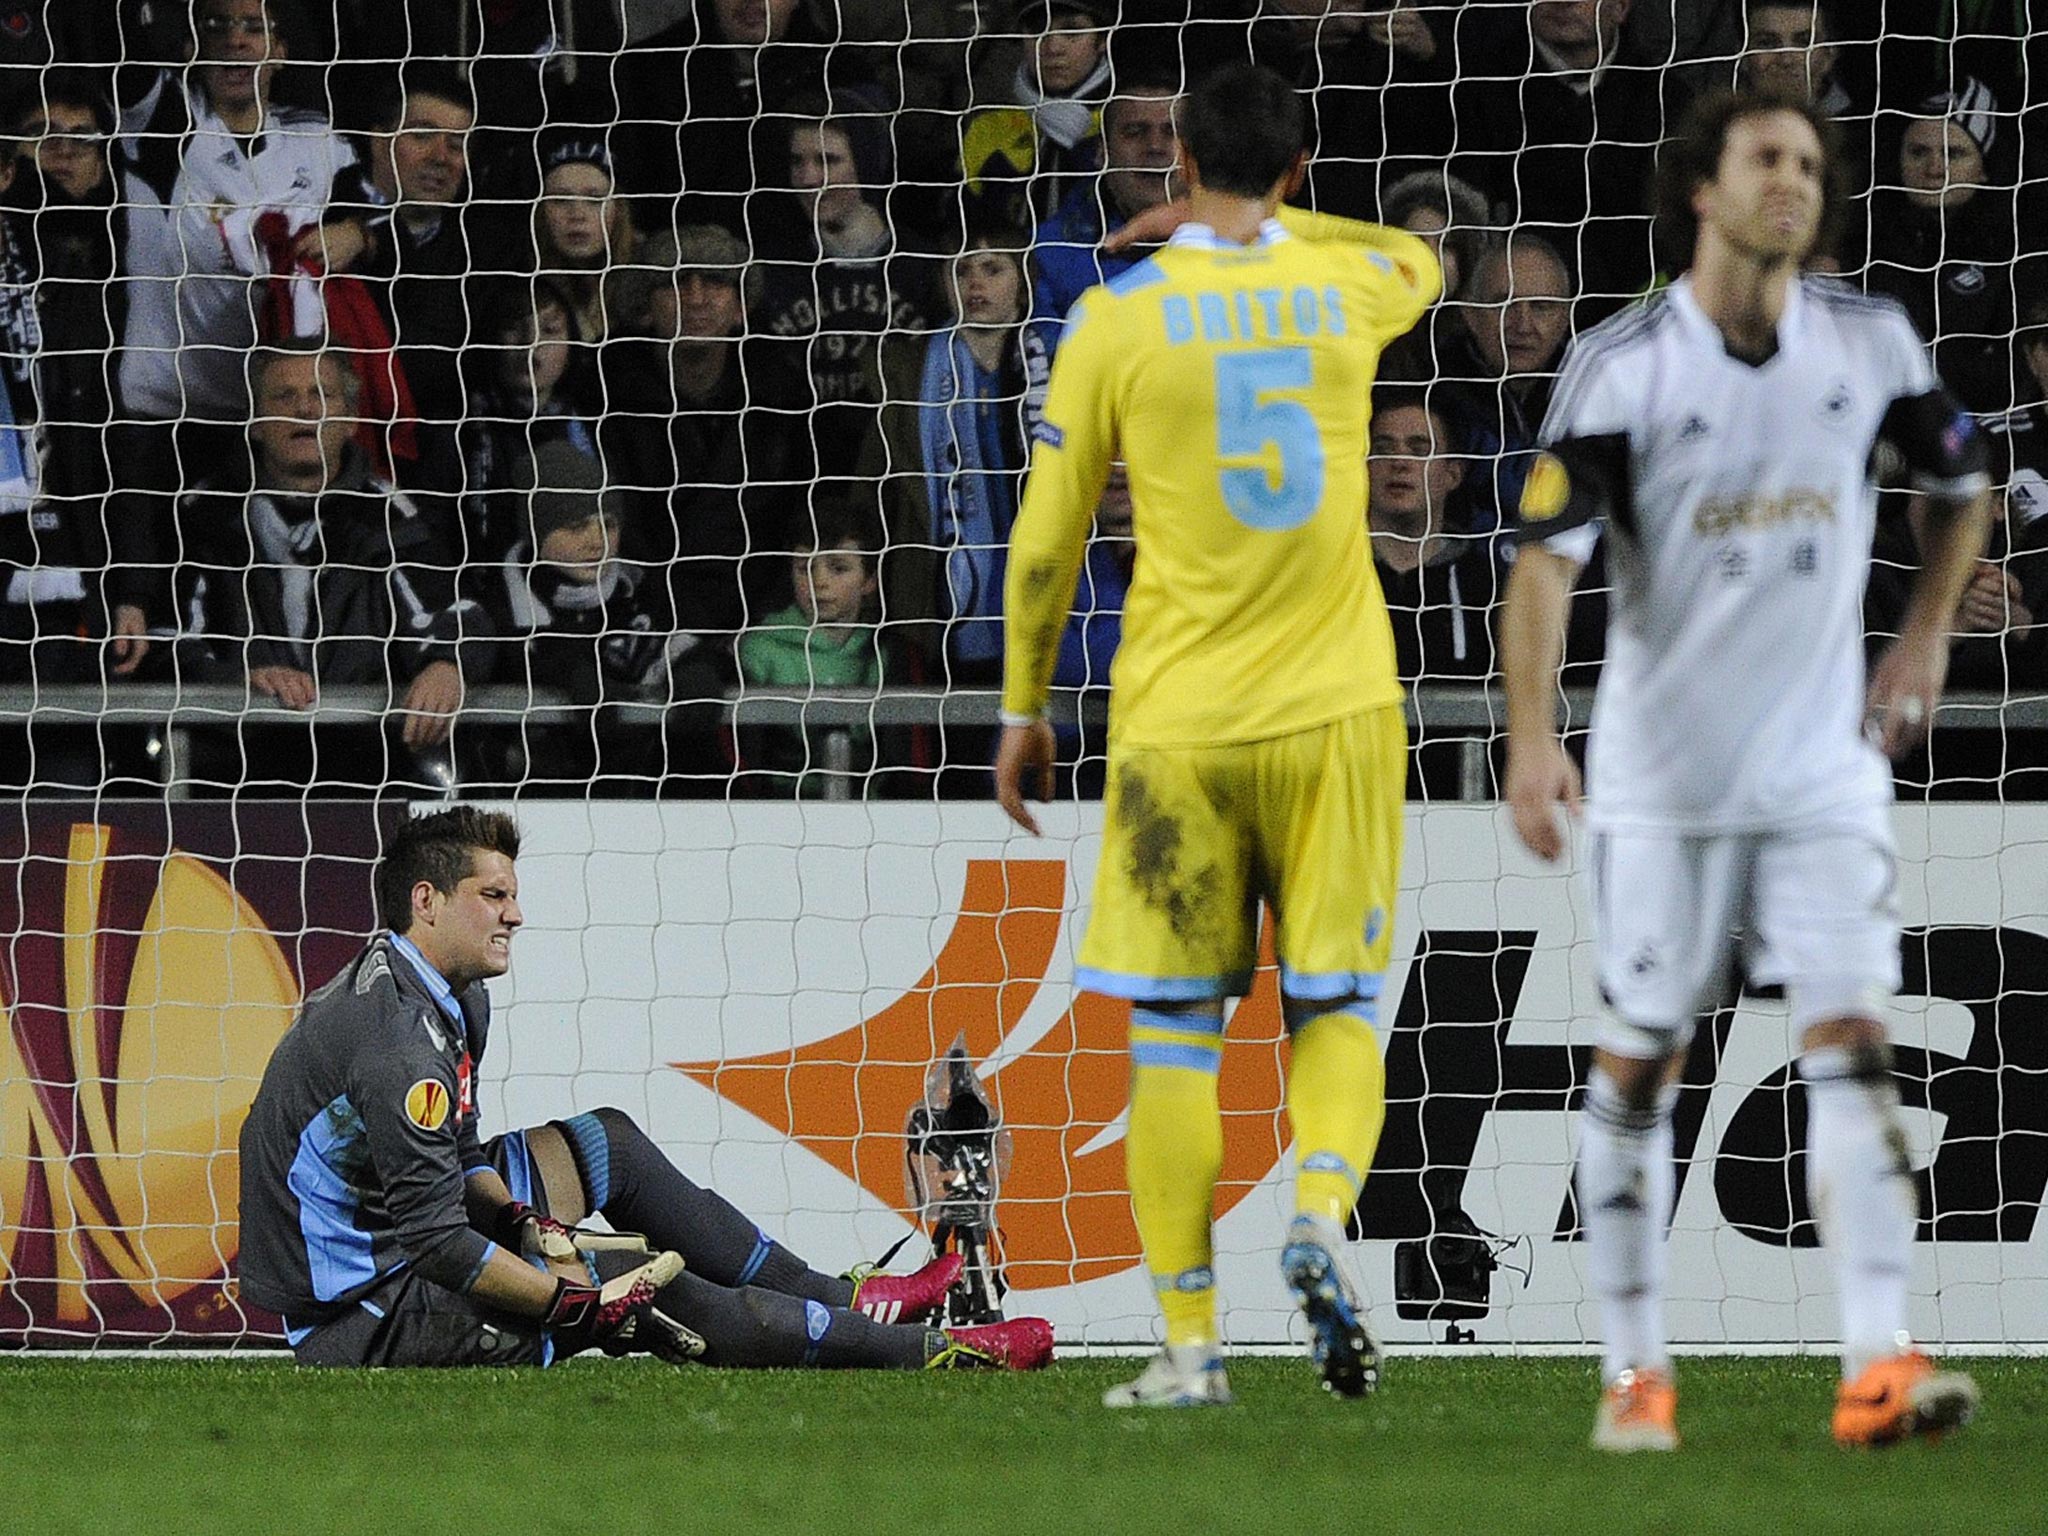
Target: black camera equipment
[
  {"x": 953, "y": 1148},
  {"x": 1447, "y": 1276}
]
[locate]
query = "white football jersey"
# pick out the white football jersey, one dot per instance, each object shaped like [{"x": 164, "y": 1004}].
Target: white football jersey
[
  {"x": 1740, "y": 511},
  {"x": 191, "y": 306}
]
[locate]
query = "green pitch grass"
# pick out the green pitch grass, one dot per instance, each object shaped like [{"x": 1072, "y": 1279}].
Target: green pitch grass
[{"x": 1467, "y": 1446}]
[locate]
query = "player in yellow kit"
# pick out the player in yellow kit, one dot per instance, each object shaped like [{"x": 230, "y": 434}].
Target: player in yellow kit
[{"x": 1257, "y": 748}]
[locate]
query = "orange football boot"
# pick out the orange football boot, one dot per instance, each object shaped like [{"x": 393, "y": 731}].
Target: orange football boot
[
  {"x": 1638, "y": 1412},
  {"x": 1899, "y": 1397}
]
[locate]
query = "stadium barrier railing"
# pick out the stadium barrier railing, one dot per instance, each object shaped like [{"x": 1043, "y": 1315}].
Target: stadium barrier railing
[{"x": 1473, "y": 714}]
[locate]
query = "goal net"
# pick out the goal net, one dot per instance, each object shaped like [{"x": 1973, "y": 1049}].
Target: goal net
[{"x": 616, "y": 410}]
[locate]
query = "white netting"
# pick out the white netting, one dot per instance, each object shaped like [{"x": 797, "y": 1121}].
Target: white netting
[{"x": 582, "y": 402}]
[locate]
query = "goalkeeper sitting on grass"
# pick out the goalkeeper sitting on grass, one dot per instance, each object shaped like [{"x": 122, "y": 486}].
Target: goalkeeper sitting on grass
[{"x": 385, "y": 1232}]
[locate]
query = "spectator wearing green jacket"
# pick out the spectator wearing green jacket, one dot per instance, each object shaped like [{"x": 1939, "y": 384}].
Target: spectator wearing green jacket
[{"x": 827, "y": 638}]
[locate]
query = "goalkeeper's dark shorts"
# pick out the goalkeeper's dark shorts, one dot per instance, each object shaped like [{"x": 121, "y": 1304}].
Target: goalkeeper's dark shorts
[{"x": 408, "y": 1320}]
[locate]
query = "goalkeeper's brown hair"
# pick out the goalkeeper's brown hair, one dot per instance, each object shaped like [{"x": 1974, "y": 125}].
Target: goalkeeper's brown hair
[
  {"x": 1692, "y": 156},
  {"x": 439, "y": 848}
]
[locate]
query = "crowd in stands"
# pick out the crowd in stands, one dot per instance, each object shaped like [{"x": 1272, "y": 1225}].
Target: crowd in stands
[{"x": 642, "y": 351}]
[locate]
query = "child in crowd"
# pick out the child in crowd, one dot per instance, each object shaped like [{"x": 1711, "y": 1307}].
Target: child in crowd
[
  {"x": 956, "y": 436},
  {"x": 826, "y": 638},
  {"x": 580, "y": 621},
  {"x": 589, "y": 623},
  {"x": 533, "y": 389},
  {"x": 580, "y": 227}
]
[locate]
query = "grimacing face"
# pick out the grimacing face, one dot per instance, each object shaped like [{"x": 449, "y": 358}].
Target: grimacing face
[{"x": 467, "y": 933}]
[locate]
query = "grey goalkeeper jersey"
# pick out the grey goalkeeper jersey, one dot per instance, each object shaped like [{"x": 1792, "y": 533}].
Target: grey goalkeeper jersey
[{"x": 356, "y": 1149}]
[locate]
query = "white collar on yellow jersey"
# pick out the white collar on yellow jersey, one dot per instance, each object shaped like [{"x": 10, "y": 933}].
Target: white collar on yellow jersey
[{"x": 1202, "y": 237}]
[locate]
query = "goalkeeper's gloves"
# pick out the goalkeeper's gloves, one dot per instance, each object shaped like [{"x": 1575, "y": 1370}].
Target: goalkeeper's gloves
[
  {"x": 535, "y": 1235},
  {"x": 620, "y": 1317}
]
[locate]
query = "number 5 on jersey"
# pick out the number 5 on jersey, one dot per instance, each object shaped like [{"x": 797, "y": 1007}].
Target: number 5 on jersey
[{"x": 1249, "y": 420}]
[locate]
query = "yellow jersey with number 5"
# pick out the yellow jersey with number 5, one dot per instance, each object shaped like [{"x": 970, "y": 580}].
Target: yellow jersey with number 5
[{"x": 1235, "y": 382}]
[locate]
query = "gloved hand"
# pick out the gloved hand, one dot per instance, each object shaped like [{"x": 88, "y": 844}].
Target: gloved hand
[
  {"x": 534, "y": 1235},
  {"x": 620, "y": 1317}
]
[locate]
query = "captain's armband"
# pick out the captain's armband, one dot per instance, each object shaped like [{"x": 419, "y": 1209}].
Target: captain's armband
[
  {"x": 1576, "y": 481},
  {"x": 1944, "y": 449}
]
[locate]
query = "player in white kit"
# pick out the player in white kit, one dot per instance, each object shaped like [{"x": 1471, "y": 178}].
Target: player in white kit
[{"x": 1720, "y": 435}]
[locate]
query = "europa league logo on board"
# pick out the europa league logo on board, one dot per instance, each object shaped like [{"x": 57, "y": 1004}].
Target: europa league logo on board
[
  {"x": 1062, "y": 1203},
  {"x": 145, "y": 985}
]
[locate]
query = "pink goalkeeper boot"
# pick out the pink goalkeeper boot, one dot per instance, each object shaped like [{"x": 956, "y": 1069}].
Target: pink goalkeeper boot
[{"x": 917, "y": 1297}]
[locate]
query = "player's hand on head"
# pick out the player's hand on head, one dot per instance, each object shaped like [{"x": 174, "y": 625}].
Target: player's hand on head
[
  {"x": 1150, "y": 227},
  {"x": 1905, "y": 685},
  {"x": 1541, "y": 777},
  {"x": 1024, "y": 766}
]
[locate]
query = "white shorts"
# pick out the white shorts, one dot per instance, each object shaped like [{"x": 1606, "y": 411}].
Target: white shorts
[{"x": 1814, "y": 908}]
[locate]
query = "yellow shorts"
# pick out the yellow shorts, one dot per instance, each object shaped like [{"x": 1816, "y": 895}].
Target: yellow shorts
[{"x": 1194, "y": 838}]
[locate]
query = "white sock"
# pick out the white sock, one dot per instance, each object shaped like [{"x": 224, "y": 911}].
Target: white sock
[
  {"x": 1626, "y": 1179},
  {"x": 1860, "y": 1184}
]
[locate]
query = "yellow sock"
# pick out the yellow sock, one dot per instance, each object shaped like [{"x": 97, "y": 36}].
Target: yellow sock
[
  {"x": 1337, "y": 1099},
  {"x": 1173, "y": 1154}
]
